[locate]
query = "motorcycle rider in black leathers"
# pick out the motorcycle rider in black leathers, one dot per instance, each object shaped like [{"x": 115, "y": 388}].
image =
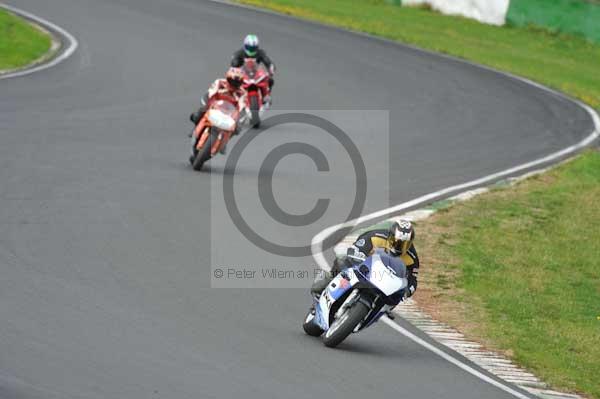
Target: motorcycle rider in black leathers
[
  {"x": 396, "y": 241},
  {"x": 251, "y": 49}
]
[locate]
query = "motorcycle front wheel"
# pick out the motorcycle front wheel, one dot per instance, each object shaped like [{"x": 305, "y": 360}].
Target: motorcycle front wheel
[
  {"x": 345, "y": 324},
  {"x": 309, "y": 325},
  {"x": 204, "y": 154},
  {"x": 254, "y": 111}
]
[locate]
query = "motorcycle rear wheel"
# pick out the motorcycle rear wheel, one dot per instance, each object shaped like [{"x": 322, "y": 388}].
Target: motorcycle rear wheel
[{"x": 342, "y": 327}]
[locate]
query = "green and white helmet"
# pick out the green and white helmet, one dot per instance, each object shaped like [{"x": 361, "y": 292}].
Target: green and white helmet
[{"x": 251, "y": 45}]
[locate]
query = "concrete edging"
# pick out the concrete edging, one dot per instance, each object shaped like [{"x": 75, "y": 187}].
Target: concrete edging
[{"x": 62, "y": 47}]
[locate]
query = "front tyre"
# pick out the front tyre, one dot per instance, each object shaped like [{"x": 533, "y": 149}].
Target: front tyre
[
  {"x": 309, "y": 325},
  {"x": 254, "y": 112},
  {"x": 204, "y": 154},
  {"x": 342, "y": 327}
]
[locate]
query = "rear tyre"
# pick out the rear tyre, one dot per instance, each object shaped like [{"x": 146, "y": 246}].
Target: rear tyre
[
  {"x": 254, "y": 114},
  {"x": 342, "y": 327},
  {"x": 309, "y": 325},
  {"x": 204, "y": 154}
]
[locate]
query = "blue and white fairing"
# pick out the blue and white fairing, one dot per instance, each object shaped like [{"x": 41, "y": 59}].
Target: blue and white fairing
[
  {"x": 385, "y": 272},
  {"x": 380, "y": 270}
]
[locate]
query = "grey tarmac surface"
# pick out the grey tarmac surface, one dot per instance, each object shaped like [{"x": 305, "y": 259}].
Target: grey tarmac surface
[{"x": 106, "y": 234}]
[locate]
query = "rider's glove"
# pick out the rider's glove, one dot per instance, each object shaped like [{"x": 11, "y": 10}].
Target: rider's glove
[
  {"x": 355, "y": 254},
  {"x": 412, "y": 285}
]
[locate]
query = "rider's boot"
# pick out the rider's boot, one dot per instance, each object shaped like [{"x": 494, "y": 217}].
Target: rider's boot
[
  {"x": 267, "y": 101},
  {"x": 320, "y": 283},
  {"x": 196, "y": 116},
  {"x": 324, "y": 278},
  {"x": 389, "y": 311}
]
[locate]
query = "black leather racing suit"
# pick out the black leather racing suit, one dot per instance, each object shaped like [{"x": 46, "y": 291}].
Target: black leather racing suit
[{"x": 237, "y": 61}]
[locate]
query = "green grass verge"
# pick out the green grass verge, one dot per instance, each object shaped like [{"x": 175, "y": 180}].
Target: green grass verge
[
  {"x": 567, "y": 63},
  {"x": 572, "y": 16},
  {"x": 20, "y": 42},
  {"x": 525, "y": 261}
]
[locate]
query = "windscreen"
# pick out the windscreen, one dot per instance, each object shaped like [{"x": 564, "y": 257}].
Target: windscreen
[
  {"x": 225, "y": 107},
  {"x": 394, "y": 263}
]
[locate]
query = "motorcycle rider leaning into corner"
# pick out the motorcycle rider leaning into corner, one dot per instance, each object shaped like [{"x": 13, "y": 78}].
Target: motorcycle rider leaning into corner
[
  {"x": 228, "y": 88},
  {"x": 397, "y": 241},
  {"x": 251, "y": 49}
]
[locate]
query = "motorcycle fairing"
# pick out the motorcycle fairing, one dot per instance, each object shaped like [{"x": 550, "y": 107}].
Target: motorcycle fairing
[
  {"x": 384, "y": 274},
  {"x": 340, "y": 285},
  {"x": 380, "y": 270}
]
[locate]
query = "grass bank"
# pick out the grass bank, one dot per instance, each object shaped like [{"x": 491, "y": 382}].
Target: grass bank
[
  {"x": 565, "y": 62},
  {"x": 20, "y": 42},
  {"x": 580, "y": 17},
  {"x": 518, "y": 269}
]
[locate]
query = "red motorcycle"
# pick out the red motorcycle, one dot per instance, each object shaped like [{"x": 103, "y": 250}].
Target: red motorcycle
[
  {"x": 214, "y": 130},
  {"x": 256, "y": 83}
]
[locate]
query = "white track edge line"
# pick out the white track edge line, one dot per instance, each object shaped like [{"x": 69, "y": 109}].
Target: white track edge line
[
  {"x": 453, "y": 360},
  {"x": 72, "y": 46}
]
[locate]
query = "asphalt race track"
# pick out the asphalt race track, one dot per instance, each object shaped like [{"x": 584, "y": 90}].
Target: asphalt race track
[{"x": 107, "y": 235}]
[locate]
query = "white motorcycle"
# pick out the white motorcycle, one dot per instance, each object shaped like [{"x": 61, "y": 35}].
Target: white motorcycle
[{"x": 357, "y": 297}]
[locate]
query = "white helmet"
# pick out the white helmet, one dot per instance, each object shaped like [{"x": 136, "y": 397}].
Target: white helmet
[
  {"x": 401, "y": 236},
  {"x": 251, "y": 45}
]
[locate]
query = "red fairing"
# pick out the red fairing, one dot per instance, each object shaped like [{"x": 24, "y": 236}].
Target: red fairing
[{"x": 256, "y": 79}]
